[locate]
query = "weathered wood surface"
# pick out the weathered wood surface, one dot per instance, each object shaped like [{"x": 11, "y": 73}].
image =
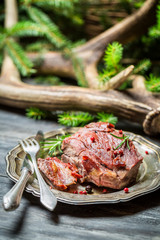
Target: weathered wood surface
[{"x": 137, "y": 219}]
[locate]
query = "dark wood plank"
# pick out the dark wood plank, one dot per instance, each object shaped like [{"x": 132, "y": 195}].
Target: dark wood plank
[{"x": 137, "y": 219}]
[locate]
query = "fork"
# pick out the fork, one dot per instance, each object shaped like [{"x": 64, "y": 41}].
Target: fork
[{"x": 47, "y": 198}]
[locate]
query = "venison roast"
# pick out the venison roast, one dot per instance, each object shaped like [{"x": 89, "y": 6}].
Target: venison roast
[{"x": 102, "y": 155}]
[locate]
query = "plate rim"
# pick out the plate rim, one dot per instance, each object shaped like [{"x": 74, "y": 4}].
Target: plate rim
[{"x": 30, "y": 189}]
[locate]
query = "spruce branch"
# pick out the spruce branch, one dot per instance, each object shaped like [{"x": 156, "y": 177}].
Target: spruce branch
[
  {"x": 19, "y": 58},
  {"x": 49, "y": 80},
  {"x": 113, "y": 55},
  {"x": 36, "y": 113},
  {"x": 51, "y": 31},
  {"x": 106, "y": 117},
  {"x": 142, "y": 66},
  {"x": 153, "y": 83},
  {"x": 75, "y": 119},
  {"x": 53, "y": 145}
]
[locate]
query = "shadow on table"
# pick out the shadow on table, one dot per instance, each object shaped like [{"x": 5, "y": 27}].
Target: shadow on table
[{"x": 101, "y": 210}]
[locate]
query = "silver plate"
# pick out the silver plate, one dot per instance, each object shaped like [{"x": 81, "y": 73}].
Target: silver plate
[{"x": 148, "y": 179}]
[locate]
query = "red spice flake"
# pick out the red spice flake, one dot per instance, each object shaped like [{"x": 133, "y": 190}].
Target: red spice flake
[
  {"x": 85, "y": 158},
  {"x": 146, "y": 152},
  {"x": 49, "y": 158},
  {"x": 105, "y": 190},
  {"x": 75, "y": 192},
  {"x": 92, "y": 139},
  {"x": 110, "y": 125},
  {"x": 83, "y": 192},
  {"x": 121, "y": 152},
  {"x": 108, "y": 149},
  {"x": 74, "y": 174},
  {"x": 115, "y": 153},
  {"x": 120, "y": 131},
  {"x": 126, "y": 190}
]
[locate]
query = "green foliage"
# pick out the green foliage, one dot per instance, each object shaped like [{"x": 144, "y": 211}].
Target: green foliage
[
  {"x": 125, "y": 139},
  {"x": 106, "y": 117},
  {"x": 39, "y": 46},
  {"x": 142, "y": 66},
  {"x": 49, "y": 80},
  {"x": 49, "y": 29},
  {"x": 54, "y": 144},
  {"x": 154, "y": 32},
  {"x": 36, "y": 113},
  {"x": 78, "y": 70},
  {"x": 75, "y": 119},
  {"x": 19, "y": 58},
  {"x": 153, "y": 83},
  {"x": 112, "y": 57}
]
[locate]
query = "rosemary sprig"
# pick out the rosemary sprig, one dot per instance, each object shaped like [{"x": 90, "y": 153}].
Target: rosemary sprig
[
  {"x": 54, "y": 144},
  {"x": 125, "y": 139}
]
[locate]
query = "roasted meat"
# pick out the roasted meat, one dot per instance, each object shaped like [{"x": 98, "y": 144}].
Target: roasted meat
[
  {"x": 60, "y": 174},
  {"x": 101, "y": 157}
]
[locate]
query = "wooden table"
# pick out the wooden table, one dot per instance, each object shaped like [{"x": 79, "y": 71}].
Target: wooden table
[{"x": 138, "y": 219}]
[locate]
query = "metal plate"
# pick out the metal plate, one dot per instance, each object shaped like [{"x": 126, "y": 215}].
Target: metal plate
[{"x": 148, "y": 178}]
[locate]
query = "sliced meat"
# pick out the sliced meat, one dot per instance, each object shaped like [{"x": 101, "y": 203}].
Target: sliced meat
[
  {"x": 60, "y": 174},
  {"x": 93, "y": 150}
]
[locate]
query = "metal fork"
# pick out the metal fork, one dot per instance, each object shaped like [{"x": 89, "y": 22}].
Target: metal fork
[{"x": 47, "y": 198}]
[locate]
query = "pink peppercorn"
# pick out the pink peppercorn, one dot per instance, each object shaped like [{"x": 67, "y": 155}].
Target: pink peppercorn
[
  {"x": 126, "y": 190},
  {"x": 146, "y": 152},
  {"x": 92, "y": 139},
  {"x": 75, "y": 192},
  {"x": 115, "y": 153},
  {"x": 108, "y": 149},
  {"x": 121, "y": 152},
  {"x": 83, "y": 192},
  {"x": 120, "y": 131},
  {"x": 105, "y": 190}
]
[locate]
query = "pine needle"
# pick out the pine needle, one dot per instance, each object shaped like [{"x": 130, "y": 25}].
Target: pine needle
[
  {"x": 50, "y": 29},
  {"x": 75, "y": 119},
  {"x": 153, "y": 83},
  {"x": 106, "y": 117},
  {"x": 54, "y": 144},
  {"x": 36, "y": 113},
  {"x": 113, "y": 55},
  {"x": 142, "y": 66},
  {"x": 19, "y": 57}
]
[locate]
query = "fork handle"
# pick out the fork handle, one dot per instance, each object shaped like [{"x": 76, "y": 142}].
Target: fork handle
[
  {"x": 11, "y": 200},
  {"x": 47, "y": 198}
]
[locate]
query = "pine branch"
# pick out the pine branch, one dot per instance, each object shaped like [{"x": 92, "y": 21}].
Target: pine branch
[
  {"x": 153, "y": 83},
  {"x": 75, "y": 119},
  {"x": 106, "y": 117},
  {"x": 3, "y": 38},
  {"x": 54, "y": 3},
  {"x": 113, "y": 55},
  {"x": 142, "y": 66},
  {"x": 78, "y": 70},
  {"x": 27, "y": 28},
  {"x": 39, "y": 46},
  {"x": 51, "y": 31},
  {"x": 36, "y": 113},
  {"x": 54, "y": 144},
  {"x": 19, "y": 58},
  {"x": 49, "y": 80}
]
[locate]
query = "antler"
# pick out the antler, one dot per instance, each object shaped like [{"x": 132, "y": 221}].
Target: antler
[{"x": 129, "y": 104}]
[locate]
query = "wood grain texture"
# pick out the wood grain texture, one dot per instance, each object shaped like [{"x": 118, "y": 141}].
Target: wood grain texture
[{"x": 137, "y": 219}]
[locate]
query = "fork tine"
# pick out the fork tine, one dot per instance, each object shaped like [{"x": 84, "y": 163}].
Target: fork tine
[
  {"x": 35, "y": 142},
  {"x": 31, "y": 142},
  {"x": 26, "y": 143}
]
